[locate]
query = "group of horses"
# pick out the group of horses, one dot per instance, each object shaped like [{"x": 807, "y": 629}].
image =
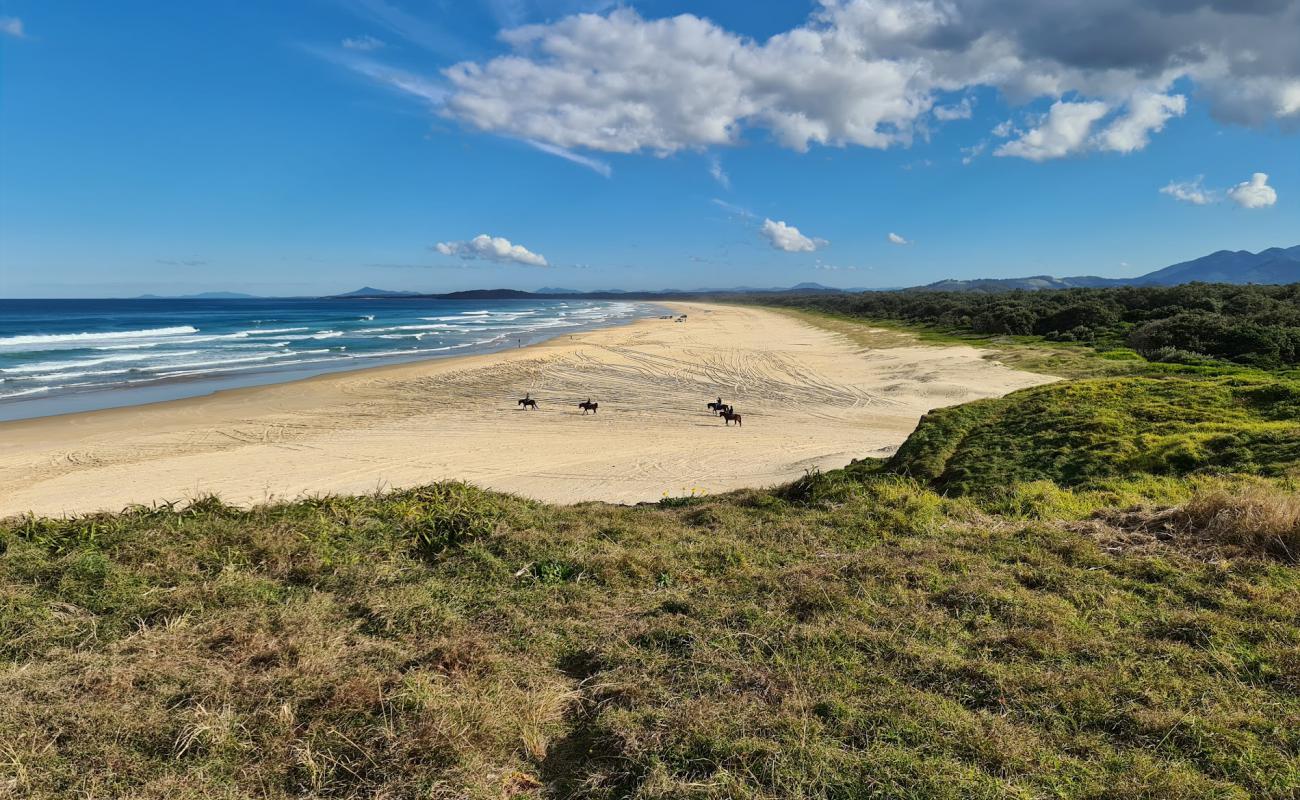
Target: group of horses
[
  {"x": 727, "y": 412},
  {"x": 528, "y": 403}
]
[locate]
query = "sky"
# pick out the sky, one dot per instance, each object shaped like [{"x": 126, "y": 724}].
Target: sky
[{"x": 307, "y": 147}]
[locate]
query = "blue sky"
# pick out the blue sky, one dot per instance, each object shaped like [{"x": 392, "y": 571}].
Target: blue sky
[{"x": 318, "y": 146}]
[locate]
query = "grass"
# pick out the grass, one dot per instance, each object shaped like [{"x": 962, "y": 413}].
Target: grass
[
  {"x": 1078, "y": 432},
  {"x": 854, "y": 634}
]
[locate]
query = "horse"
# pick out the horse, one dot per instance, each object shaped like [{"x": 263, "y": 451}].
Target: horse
[
  {"x": 529, "y": 403},
  {"x": 730, "y": 417},
  {"x": 588, "y": 406},
  {"x": 718, "y": 406}
]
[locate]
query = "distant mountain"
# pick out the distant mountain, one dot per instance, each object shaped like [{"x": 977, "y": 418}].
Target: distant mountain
[
  {"x": 1033, "y": 282},
  {"x": 1274, "y": 265},
  {"x": 554, "y": 290},
  {"x": 200, "y": 296},
  {"x": 369, "y": 291}
]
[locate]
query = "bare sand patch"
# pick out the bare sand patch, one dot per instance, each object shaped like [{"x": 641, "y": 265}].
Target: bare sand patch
[{"x": 810, "y": 398}]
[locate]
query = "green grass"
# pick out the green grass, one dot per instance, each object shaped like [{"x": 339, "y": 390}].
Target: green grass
[
  {"x": 854, "y": 634},
  {"x": 1079, "y": 432}
]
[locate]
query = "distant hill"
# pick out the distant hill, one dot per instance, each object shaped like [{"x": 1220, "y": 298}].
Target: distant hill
[
  {"x": 369, "y": 291},
  {"x": 1274, "y": 265},
  {"x": 201, "y": 296}
]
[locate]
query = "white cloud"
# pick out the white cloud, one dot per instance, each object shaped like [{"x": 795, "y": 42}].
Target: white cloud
[
  {"x": 788, "y": 238},
  {"x": 12, "y": 26},
  {"x": 896, "y": 239},
  {"x": 719, "y": 174},
  {"x": 1192, "y": 191},
  {"x": 491, "y": 248},
  {"x": 1254, "y": 193},
  {"x": 1063, "y": 132},
  {"x": 870, "y": 73},
  {"x": 962, "y": 110},
  {"x": 365, "y": 44},
  {"x": 1147, "y": 113}
]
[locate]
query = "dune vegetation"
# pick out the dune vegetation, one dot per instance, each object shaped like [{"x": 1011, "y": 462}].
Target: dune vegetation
[{"x": 1088, "y": 590}]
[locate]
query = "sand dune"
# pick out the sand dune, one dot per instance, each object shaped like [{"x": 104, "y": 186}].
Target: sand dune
[{"x": 810, "y": 398}]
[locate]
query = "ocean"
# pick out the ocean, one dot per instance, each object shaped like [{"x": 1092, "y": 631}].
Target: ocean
[{"x": 60, "y": 356}]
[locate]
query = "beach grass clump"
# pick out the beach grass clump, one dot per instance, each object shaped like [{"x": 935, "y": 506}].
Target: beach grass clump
[
  {"x": 856, "y": 634},
  {"x": 1084, "y": 432},
  {"x": 1262, "y": 520}
]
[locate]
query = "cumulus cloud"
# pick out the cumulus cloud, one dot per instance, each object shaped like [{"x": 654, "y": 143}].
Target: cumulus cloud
[
  {"x": 896, "y": 239},
  {"x": 868, "y": 73},
  {"x": 491, "y": 248},
  {"x": 12, "y": 26},
  {"x": 788, "y": 238},
  {"x": 363, "y": 43},
  {"x": 1192, "y": 191},
  {"x": 1147, "y": 113},
  {"x": 1062, "y": 132},
  {"x": 1254, "y": 193}
]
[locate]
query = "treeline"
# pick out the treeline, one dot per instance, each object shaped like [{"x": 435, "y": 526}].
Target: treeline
[{"x": 1253, "y": 325}]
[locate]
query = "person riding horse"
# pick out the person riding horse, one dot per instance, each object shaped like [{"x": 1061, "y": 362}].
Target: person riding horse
[
  {"x": 718, "y": 406},
  {"x": 588, "y": 406},
  {"x": 729, "y": 416},
  {"x": 528, "y": 402}
]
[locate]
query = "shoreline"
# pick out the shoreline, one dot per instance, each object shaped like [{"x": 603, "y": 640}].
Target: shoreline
[
  {"x": 164, "y": 390},
  {"x": 810, "y": 399}
]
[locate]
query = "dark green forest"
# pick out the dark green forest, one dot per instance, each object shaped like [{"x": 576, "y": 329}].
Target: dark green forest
[{"x": 1194, "y": 323}]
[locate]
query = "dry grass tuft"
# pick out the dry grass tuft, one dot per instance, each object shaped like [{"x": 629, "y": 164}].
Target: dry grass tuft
[{"x": 1263, "y": 521}]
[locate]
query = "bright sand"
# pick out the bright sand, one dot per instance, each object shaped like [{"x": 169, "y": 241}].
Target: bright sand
[{"x": 809, "y": 399}]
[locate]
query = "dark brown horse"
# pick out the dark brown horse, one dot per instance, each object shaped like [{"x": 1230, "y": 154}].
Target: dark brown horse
[
  {"x": 730, "y": 416},
  {"x": 718, "y": 406},
  {"x": 529, "y": 402},
  {"x": 588, "y": 406}
]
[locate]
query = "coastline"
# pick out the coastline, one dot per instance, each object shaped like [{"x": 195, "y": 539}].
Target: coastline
[
  {"x": 811, "y": 399},
  {"x": 165, "y": 389}
]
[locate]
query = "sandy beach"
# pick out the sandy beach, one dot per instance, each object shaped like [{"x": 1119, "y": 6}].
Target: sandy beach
[{"x": 809, "y": 398}]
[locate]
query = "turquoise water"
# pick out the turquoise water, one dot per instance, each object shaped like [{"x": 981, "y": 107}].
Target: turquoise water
[{"x": 58, "y": 356}]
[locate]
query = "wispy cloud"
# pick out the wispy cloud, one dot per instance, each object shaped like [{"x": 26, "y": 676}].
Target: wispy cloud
[
  {"x": 12, "y": 26},
  {"x": 896, "y": 239},
  {"x": 1192, "y": 191},
  {"x": 718, "y": 173},
  {"x": 409, "y": 27},
  {"x": 365, "y": 44},
  {"x": 593, "y": 164},
  {"x": 732, "y": 208},
  {"x": 421, "y": 86}
]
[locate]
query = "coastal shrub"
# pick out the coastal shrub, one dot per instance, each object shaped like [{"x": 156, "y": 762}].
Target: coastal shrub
[{"x": 1191, "y": 324}]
